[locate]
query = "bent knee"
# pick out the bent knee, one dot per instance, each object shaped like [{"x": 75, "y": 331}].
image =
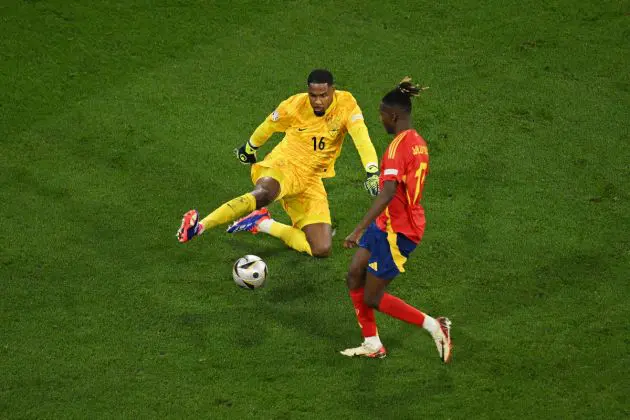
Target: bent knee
[
  {"x": 263, "y": 197},
  {"x": 353, "y": 279},
  {"x": 321, "y": 250},
  {"x": 266, "y": 191},
  {"x": 355, "y": 273},
  {"x": 372, "y": 301}
]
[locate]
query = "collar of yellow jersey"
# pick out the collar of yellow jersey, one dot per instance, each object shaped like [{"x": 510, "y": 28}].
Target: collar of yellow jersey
[{"x": 332, "y": 104}]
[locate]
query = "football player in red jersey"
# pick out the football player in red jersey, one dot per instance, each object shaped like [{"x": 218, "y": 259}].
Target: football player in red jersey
[{"x": 391, "y": 229}]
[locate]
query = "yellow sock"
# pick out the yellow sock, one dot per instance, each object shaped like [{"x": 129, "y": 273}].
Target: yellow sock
[
  {"x": 291, "y": 236},
  {"x": 230, "y": 211}
]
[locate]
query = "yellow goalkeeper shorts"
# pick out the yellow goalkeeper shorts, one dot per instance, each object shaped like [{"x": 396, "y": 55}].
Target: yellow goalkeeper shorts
[{"x": 302, "y": 196}]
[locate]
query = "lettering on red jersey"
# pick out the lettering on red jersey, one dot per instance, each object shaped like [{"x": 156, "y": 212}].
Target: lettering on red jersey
[{"x": 406, "y": 161}]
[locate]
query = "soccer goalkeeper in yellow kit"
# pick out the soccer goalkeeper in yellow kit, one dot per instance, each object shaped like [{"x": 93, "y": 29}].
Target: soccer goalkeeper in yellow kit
[{"x": 315, "y": 124}]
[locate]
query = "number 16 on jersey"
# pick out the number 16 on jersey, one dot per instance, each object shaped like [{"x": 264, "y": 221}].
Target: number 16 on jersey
[{"x": 318, "y": 145}]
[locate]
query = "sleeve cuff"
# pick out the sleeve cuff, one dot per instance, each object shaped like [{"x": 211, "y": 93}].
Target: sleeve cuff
[{"x": 371, "y": 168}]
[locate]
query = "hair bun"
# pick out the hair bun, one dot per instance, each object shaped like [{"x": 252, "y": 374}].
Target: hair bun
[{"x": 407, "y": 87}]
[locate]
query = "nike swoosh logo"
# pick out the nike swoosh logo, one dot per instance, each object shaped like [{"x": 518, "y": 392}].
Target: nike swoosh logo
[{"x": 302, "y": 129}]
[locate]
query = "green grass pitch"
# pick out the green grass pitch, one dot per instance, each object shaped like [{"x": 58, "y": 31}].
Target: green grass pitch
[{"x": 118, "y": 116}]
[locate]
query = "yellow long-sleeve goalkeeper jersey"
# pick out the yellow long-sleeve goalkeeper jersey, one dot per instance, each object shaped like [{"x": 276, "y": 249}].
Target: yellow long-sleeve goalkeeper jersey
[{"x": 313, "y": 143}]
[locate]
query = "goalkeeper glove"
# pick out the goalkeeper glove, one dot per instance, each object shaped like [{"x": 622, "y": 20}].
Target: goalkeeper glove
[
  {"x": 371, "y": 183},
  {"x": 246, "y": 154}
]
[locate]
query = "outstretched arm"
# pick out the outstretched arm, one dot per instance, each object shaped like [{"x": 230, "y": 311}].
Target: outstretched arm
[
  {"x": 263, "y": 132},
  {"x": 362, "y": 142},
  {"x": 361, "y": 138},
  {"x": 278, "y": 121}
]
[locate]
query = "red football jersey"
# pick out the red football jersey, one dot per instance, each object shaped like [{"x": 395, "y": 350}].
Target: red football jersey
[{"x": 406, "y": 161}]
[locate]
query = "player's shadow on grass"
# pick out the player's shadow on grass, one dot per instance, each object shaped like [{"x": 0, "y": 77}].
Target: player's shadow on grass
[
  {"x": 298, "y": 309},
  {"x": 264, "y": 249},
  {"x": 284, "y": 293},
  {"x": 309, "y": 306}
]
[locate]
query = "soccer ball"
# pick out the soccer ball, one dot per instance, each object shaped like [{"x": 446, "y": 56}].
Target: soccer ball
[{"x": 249, "y": 272}]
